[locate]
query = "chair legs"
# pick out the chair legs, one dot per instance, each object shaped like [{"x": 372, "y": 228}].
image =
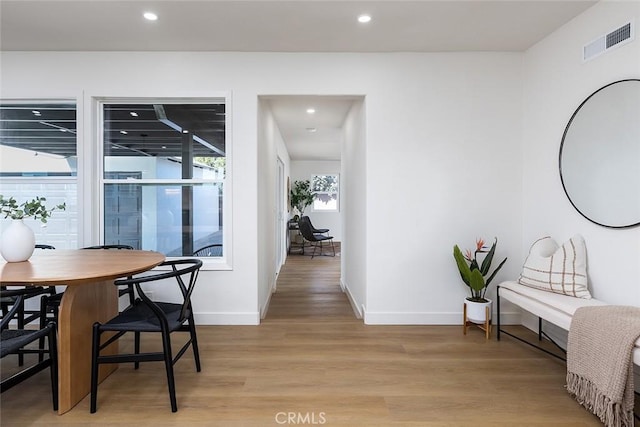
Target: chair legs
[
  {"x": 95, "y": 353},
  {"x": 194, "y": 343},
  {"x": 136, "y": 348},
  {"x": 315, "y": 246},
  {"x": 168, "y": 364},
  {"x": 167, "y": 358},
  {"x": 53, "y": 356}
]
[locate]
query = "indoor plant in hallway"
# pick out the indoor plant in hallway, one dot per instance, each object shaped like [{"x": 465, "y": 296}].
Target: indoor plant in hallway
[
  {"x": 18, "y": 241},
  {"x": 301, "y": 197},
  {"x": 473, "y": 275}
]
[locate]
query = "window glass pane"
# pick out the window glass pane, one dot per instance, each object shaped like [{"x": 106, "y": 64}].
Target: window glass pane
[
  {"x": 176, "y": 220},
  {"x": 153, "y": 139},
  {"x": 165, "y": 141},
  {"x": 326, "y": 189},
  {"x": 325, "y": 202},
  {"x": 38, "y": 157}
]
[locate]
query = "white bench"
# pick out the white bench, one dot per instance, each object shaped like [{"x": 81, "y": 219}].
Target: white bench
[{"x": 553, "y": 308}]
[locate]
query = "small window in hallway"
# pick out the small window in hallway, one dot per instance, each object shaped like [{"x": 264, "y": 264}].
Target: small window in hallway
[{"x": 327, "y": 189}]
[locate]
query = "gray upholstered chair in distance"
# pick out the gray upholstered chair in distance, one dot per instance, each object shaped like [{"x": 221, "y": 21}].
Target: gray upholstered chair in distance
[
  {"x": 316, "y": 239},
  {"x": 318, "y": 230},
  {"x": 13, "y": 341},
  {"x": 209, "y": 250},
  {"x": 147, "y": 316}
]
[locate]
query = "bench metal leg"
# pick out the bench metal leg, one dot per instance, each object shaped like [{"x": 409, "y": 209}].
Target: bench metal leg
[{"x": 541, "y": 333}]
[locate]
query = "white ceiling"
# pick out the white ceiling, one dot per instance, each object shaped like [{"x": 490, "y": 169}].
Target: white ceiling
[
  {"x": 297, "y": 126},
  {"x": 285, "y": 26}
]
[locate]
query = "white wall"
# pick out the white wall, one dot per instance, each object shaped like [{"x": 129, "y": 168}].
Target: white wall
[
  {"x": 270, "y": 148},
  {"x": 556, "y": 81},
  {"x": 353, "y": 263},
  {"x": 443, "y": 168},
  {"x": 442, "y": 160},
  {"x": 302, "y": 170}
]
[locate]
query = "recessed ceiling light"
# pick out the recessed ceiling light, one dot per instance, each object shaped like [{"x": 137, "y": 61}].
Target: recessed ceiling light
[
  {"x": 164, "y": 147},
  {"x": 312, "y": 129},
  {"x": 133, "y": 114},
  {"x": 311, "y": 110},
  {"x": 124, "y": 132},
  {"x": 363, "y": 19},
  {"x": 36, "y": 112},
  {"x": 150, "y": 16},
  {"x": 185, "y": 130}
]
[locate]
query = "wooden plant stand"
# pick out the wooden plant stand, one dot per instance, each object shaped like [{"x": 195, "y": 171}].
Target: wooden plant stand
[{"x": 486, "y": 326}]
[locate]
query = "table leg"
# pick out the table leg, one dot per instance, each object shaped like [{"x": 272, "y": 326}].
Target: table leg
[{"x": 80, "y": 308}]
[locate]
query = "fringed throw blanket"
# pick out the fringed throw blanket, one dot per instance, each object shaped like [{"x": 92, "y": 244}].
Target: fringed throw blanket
[{"x": 600, "y": 362}]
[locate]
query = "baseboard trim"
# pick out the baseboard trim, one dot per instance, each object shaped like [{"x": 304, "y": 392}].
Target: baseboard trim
[{"x": 352, "y": 301}]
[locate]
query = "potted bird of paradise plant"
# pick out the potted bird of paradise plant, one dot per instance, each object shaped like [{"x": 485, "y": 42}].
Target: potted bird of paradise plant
[{"x": 476, "y": 277}]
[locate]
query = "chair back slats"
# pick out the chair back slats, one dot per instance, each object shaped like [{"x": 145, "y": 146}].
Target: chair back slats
[
  {"x": 17, "y": 303},
  {"x": 110, "y": 247},
  {"x": 213, "y": 250},
  {"x": 43, "y": 246},
  {"x": 20, "y": 295},
  {"x": 180, "y": 269}
]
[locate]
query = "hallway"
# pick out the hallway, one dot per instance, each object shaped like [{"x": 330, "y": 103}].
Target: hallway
[{"x": 309, "y": 289}]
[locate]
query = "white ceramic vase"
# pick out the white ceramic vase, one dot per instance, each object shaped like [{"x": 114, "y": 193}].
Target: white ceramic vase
[
  {"x": 476, "y": 311},
  {"x": 17, "y": 242}
]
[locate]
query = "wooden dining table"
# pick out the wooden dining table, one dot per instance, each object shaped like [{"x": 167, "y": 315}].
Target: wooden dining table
[{"x": 90, "y": 297}]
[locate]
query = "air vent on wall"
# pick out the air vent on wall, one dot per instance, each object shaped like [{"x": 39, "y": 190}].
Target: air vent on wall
[{"x": 615, "y": 38}]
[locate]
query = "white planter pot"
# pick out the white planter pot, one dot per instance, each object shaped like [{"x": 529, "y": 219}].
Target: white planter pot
[
  {"x": 17, "y": 242},
  {"x": 477, "y": 312}
]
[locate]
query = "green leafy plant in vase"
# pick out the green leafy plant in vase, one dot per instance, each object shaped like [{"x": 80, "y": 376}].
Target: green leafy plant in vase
[
  {"x": 18, "y": 240},
  {"x": 301, "y": 197}
]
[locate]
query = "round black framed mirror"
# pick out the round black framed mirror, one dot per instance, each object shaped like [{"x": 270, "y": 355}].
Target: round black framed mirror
[{"x": 600, "y": 156}]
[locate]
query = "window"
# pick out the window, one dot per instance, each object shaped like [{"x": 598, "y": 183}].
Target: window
[
  {"x": 164, "y": 170},
  {"x": 326, "y": 188},
  {"x": 38, "y": 157}
]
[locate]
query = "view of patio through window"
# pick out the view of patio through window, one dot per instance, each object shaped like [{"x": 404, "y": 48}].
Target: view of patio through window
[
  {"x": 38, "y": 157},
  {"x": 164, "y": 173}
]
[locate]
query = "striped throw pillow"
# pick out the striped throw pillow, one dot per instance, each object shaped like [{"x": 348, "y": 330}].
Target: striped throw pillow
[{"x": 558, "y": 269}]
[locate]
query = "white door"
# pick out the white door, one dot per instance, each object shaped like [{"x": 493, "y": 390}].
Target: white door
[{"x": 280, "y": 229}]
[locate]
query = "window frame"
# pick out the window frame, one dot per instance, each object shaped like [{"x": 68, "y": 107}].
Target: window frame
[{"x": 224, "y": 262}]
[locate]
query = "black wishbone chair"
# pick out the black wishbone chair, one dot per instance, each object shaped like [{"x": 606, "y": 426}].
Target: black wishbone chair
[
  {"x": 13, "y": 341},
  {"x": 25, "y": 315},
  {"x": 146, "y": 316},
  {"x": 209, "y": 250}
]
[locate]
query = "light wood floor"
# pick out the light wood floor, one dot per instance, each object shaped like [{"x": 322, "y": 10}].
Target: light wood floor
[{"x": 312, "y": 358}]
